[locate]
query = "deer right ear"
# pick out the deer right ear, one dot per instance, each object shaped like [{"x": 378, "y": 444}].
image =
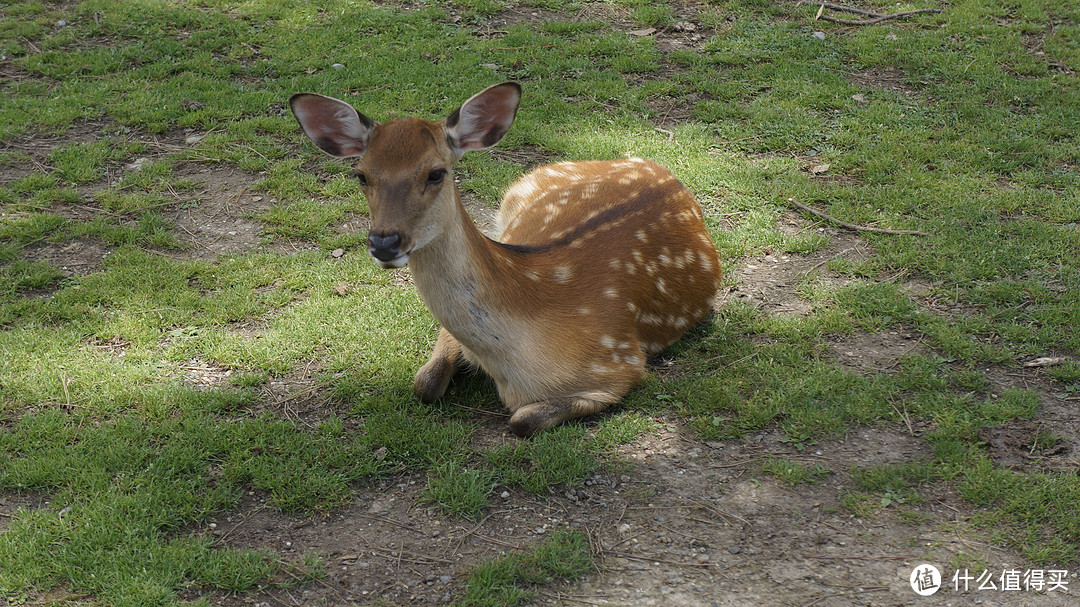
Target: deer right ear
[{"x": 331, "y": 124}]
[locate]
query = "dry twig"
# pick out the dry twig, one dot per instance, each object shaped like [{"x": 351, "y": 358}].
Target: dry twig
[
  {"x": 875, "y": 18},
  {"x": 852, "y": 226}
]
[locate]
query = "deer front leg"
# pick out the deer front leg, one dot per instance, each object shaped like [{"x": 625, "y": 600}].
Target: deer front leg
[
  {"x": 434, "y": 377},
  {"x": 534, "y": 417}
]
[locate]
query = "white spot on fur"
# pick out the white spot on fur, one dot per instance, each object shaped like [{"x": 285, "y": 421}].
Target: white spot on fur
[
  {"x": 652, "y": 319},
  {"x": 610, "y": 292},
  {"x": 607, "y": 341},
  {"x": 706, "y": 263},
  {"x": 562, "y": 274}
]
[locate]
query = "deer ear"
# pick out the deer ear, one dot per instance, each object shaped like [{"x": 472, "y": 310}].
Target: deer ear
[
  {"x": 485, "y": 118},
  {"x": 333, "y": 125}
]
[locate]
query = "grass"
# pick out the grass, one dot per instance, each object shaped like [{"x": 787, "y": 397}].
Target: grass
[
  {"x": 959, "y": 124},
  {"x": 509, "y": 580}
]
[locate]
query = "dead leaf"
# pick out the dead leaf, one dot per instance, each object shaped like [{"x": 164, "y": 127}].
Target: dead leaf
[
  {"x": 819, "y": 169},
  {"x": 341, "y": 288},
  {"x": 1046, "y": 361},
  {"x": 645, "y": 32}
]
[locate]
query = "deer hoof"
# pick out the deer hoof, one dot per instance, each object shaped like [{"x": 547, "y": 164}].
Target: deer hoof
[
  {"x": 530, "y": 419},
  {"x": 432, "y": 380}
]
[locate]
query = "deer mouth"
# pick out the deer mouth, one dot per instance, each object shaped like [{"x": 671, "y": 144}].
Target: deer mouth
[{"x": 395, "y": 262}]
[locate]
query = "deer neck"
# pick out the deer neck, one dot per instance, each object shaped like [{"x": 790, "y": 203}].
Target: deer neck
[{"x": 461, "y": 275}]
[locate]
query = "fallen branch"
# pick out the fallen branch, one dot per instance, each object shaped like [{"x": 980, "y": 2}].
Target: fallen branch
[
  {"x": 852, "y": 226},
  {"x": 875, "y": 17}
]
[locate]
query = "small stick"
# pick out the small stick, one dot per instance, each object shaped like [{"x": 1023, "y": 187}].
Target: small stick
[
  {"x": 723, "y": 514},
  {"x": 877, "y": 17},
  {"x": 852, "y": 226},
  {"x": 837, "y": 7},
  {"x": 880, "y": 19},
  {"x": 461, "y": 540}
]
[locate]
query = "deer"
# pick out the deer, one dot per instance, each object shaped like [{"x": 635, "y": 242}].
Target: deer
[{"x": 598, "y": 264}]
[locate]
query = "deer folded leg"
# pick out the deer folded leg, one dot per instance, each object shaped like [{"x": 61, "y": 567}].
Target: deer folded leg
[
  {"x": 434, "y": 377},
  {"x": 534, "y": 417}
]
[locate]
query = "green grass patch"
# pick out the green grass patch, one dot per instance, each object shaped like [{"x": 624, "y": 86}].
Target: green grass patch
[
  {"x": 511, "y": 580},
  {"x": 794, "y": 473}
]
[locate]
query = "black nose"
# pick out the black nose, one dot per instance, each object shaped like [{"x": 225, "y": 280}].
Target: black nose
[{"x": 385, "y": 248}]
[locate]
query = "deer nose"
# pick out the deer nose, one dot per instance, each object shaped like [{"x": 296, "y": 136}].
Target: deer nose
[{"x": 384, "y": 248}]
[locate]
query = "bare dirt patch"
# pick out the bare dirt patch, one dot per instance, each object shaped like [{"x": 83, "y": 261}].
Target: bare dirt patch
[
  {"x": 672, "y": 521},
  {"x": 770, "y": 281},
  {"x": 218, "y": 218},
  {"x": 874, "y": 352},
  {"x": 1050, "y": 441},
  {"x": 75, "y": 258},
  {"x": 10, "y": 503},
  {"x": 884, "y": 78}
]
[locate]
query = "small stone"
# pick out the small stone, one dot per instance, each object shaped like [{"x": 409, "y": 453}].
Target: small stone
[
  {"x": 859, "y": 98},
  {"x": 138, "y": 164},
  {"x": 819, "y": 35},
  {"x": 193, "y": 139},
  {"x": 337, "y": 253},
  {"x": 445, "y": 579},
  {"x": 734, "y": 549},
  {"x": 624, "y": 528},
  {"x": 702, "y": 558},
  {"x": 61, "y": 23},
  {"x": 505, "y": 495},
  {"x": 338, "y": 66}
]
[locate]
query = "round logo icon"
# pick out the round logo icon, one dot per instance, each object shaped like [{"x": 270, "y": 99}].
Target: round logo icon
[{"x": 925, "y": 580}]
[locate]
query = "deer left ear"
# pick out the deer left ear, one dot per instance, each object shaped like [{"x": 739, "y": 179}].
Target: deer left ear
[
  {"x": 485, "y": 118},
  {"x": 331, "y": 124}
]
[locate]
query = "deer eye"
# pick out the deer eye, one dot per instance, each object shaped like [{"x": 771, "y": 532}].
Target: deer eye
[
  {"x": 362, "y": 178},
  {"x": 436, "y": 176}
]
